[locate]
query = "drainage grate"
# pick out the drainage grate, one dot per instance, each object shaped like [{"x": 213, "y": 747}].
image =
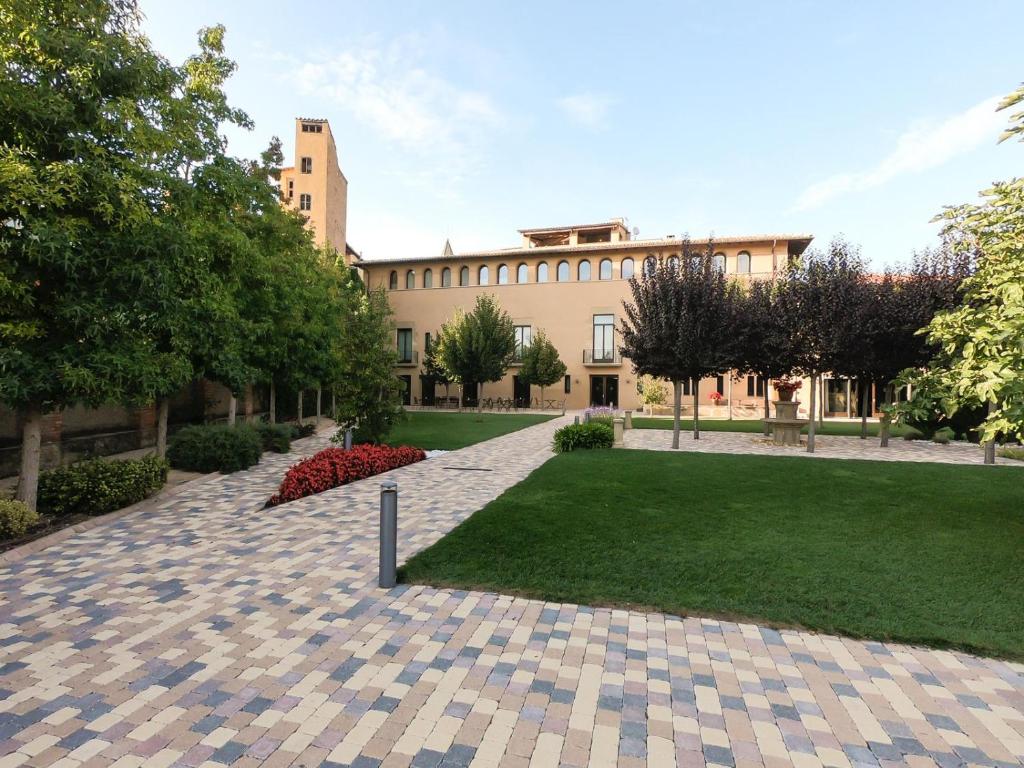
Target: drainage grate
[{"x": 470, "y": 469}]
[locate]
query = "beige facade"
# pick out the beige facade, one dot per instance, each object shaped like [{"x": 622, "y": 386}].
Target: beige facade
[
  {"x": 569, "y": 282},
  {"x": 315, "y": 185}
]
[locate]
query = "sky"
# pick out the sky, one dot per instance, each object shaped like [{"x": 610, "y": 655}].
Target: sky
[{"x": 471, "y": 120}]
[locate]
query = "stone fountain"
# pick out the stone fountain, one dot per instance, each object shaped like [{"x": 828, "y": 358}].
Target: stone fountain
[{"x": 786, "y": 427}]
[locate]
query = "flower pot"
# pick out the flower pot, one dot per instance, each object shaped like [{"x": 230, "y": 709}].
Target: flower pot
[{"x": 786, "y": 395}]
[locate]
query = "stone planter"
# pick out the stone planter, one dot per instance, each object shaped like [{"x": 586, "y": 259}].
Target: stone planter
[{"x": 786, "y": 427}]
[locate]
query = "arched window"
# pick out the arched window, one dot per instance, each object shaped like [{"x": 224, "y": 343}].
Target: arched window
[
  {"x": 720, "y": 262},
  {"x": 743, "y": 262},
  {"x": 464, "y": 276},
  {"x": 483, "y": 276},
  {"x": 583, "y": 272},
  {"x": 626, "y": 269},
  {"x": 673, "y": 262},
  {"x": 650, "y": 265},
  {"x": 393, "y": 280},
  {"x": 410, "y": 279},
  {"x": 563, "y": 272},
  {"x": 522, "y": 274},
  {"x": 542, "y": 272},
  {"x": 604, "y": 272},
  {"x": 446, "y": 278},
  {"x": 503, "y": 275},
  {"x": 428, "y": 278}
]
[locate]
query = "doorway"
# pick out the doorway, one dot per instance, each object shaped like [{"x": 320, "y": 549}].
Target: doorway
[
  {"x": 520, "y": 392},
  {"x": 427, "y": 388},
  {"x": 406, "y": 389},
  {"x": 604, "y": 391}
]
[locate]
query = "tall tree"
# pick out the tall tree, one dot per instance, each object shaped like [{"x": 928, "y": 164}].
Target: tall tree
[
  {"x": 677, "y": 326},
  {"x": 432, "y": 364},
  {"x": 478, "y": 346},
  {"x": 542, "y": 366},
  {"x": 818, "y": 300},
  {"x": 94, "y": 132}
]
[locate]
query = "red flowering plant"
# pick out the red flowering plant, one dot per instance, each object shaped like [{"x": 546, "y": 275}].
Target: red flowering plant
[
  {"x": 715, "y": 397},
  {"x": 787, "y": 386},
  {"x": 332, "y": 467}
]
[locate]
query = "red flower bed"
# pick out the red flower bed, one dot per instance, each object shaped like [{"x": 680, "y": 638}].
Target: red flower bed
[{"x": 332, "y": 467}]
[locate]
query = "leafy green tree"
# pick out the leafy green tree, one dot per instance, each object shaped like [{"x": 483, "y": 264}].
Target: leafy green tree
[
  {"x": 95, "y": 131},
  {"x": 541, "y": 364},
  {"x": 677, "y": 326},
  {"x": 432, "y": 364},
  {"x": 478, "y": 346}
]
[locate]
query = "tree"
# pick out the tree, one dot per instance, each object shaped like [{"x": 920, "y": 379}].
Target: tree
[
  {"x": 762, "y": 342},
  {"x": 818, "y": 300},
  {"x": 95, "y": 130},
  {"x": 541, "y": 364},
  {"x": 478, "y": 346},
  {"x": 432, "y": 364},
  {"x": 677, "y": 325}
]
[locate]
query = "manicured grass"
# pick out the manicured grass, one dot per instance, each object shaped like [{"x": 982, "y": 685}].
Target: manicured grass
[
  {"x": 749, "y": 425},
  {"x": 447, "y": 431},
  {"x": 922, "y": 553}
]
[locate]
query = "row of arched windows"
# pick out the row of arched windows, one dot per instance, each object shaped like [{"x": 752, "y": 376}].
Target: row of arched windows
[{"x": 542, "y": 274}]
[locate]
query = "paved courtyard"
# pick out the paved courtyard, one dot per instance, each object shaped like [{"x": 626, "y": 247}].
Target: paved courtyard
[
  {"x": 825, "y": 447},
  {"x": 210, "y": 631}
]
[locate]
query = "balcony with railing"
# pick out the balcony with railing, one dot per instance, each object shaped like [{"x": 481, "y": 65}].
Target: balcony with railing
[
  {"x": 408, "y": 359},
  {"x": 601, "y": 357}
]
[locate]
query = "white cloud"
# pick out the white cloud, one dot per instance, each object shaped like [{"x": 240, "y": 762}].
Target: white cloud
[
  {"x": 923, "y": 146},
  {"x": 416, "y": 110},
  {"x": 588, "y": 109}
]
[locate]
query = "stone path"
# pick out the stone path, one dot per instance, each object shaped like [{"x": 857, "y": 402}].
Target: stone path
[
  {"x": 825, "y": 447},
  {"x": 212, "y": 632}
]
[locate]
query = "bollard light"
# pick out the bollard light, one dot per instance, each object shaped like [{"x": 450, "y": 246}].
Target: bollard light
[
  {"x": 576, "y": 419},
  {"x": 388, "y": 574},
  {"x": 348, "y": 439}
]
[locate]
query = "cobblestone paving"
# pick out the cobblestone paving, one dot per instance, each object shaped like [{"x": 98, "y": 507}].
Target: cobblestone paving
[
  {"x": 825, "y": 447},
  {"x": 211, "y": 632}
]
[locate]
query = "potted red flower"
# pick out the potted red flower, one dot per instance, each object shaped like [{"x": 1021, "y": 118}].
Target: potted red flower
[
  {"x": 786, "y": 388},
  {"x": 715, "y": 397}
]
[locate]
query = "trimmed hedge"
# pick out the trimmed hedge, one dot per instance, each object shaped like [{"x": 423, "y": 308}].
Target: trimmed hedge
[
  {"x": 215, "y": 448},
  {"x": 332, "y": 467},
  {"x": 98, "y": 486},
  {"x": 276, "y": 438},
  {"x": 574, "y": 437},
  {"x": 302, "y": 430},
  {"x": 15, "y": 519}
]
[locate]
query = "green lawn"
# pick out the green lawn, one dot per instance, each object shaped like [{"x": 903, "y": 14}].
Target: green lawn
[
  {"x": 929, "y": 553},
  {"x": 750, "y": 425},
  {"x": 447, "y": 431}
]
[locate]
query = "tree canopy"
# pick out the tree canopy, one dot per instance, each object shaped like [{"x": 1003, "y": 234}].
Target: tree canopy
[
  {"x": 478, "y": 346},
  {"x": 541, "y": 364}
]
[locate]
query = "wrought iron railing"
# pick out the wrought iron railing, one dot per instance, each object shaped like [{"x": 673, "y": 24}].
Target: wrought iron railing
[{"x": 601, "y": 357}]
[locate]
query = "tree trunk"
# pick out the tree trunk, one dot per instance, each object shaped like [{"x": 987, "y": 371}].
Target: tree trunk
[
  {"x": 542, "y": 397},
  {"x": 232, "y": 409},
  {"x": 990, "y": 444},
  {"x": 319, "y": 393},
  {"x": 821, "y": 405},
  {"x": 300, "y": 407},
  {"x": 480, "y": 398},
  {"x": 31, "y": 440},
  {"x": 677, "y": 404},
  {"x": 883, "y": 427},
  {"x": 163, "y": 407},
  {"x": 864, "y": 412},
  {"x": 730, "y": 396},
  {"x": 334, "y": 405},
  {"x": 462, "y": 396},
  {"x": 696, "y": 409},
  {"x": 273, "y": 403},
  {"x": 810, "y": 427},
  {"x": 767, "y": 412}
]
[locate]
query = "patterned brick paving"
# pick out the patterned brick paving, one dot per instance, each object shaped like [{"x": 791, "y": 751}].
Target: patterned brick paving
[{"x": 210, "y": 632}]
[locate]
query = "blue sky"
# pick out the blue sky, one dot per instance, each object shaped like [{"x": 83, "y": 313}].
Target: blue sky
[{"x": 470, "y": 120}]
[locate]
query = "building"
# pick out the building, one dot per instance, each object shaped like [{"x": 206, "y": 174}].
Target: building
[
  {"x": 315, "y": 185},
  {"x": 569, "y": 281}
]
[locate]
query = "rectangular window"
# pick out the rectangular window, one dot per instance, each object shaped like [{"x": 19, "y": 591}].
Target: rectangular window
[
  {"x": 604, "y": 338},
  {"x": 426, "y": 342},
  {"x": 405, "y": 345},
  {"x": 291, "y": 188},
  {"x": 750, "y": 386},
  {"x": 568, "y": 383},
  {"x": 307, "y": 165},
  {"x": 312, "y": 128},
  {"x": 760, "y": 386},
  {"x": 755, "y": 386},
  {"x": 522, "y": 342},
  {"x": 305, "y": 202},
  {"x": 686, "y": 388},
  {"x": 720, "y": 385}
]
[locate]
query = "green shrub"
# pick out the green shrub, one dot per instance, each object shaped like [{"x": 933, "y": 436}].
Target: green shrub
[
  {"x": 15, "y": 519},
  {"x": 943, "y": 436},
  {"x": 1012, "y": 452},
  {"x": 215, "y": 448},
  {"x": 301, "y": 430},
  {"x": 99, "y": 486},
  {"x": 911, "y": 433},
  {"x": 276, "y": 438},
  {"x": 583, "y": 436}
]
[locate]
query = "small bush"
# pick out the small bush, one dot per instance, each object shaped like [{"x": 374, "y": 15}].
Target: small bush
[
  {"x": 215, "y": 448},
  {"x": 943, "y": 436},
  {"x": 910, "y": 433},
  {"x": 332, "y": 467},
  {"x": 1012, "y": 452},
  {"x": 276, "y": 438},
  {"x": 301, "y": 430},
  {"x": 15, "y": 519},
  {"x": 600, "y": 415},
  {"x": 583, "y": 436},
  {"x": 99, "y": 486}
]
